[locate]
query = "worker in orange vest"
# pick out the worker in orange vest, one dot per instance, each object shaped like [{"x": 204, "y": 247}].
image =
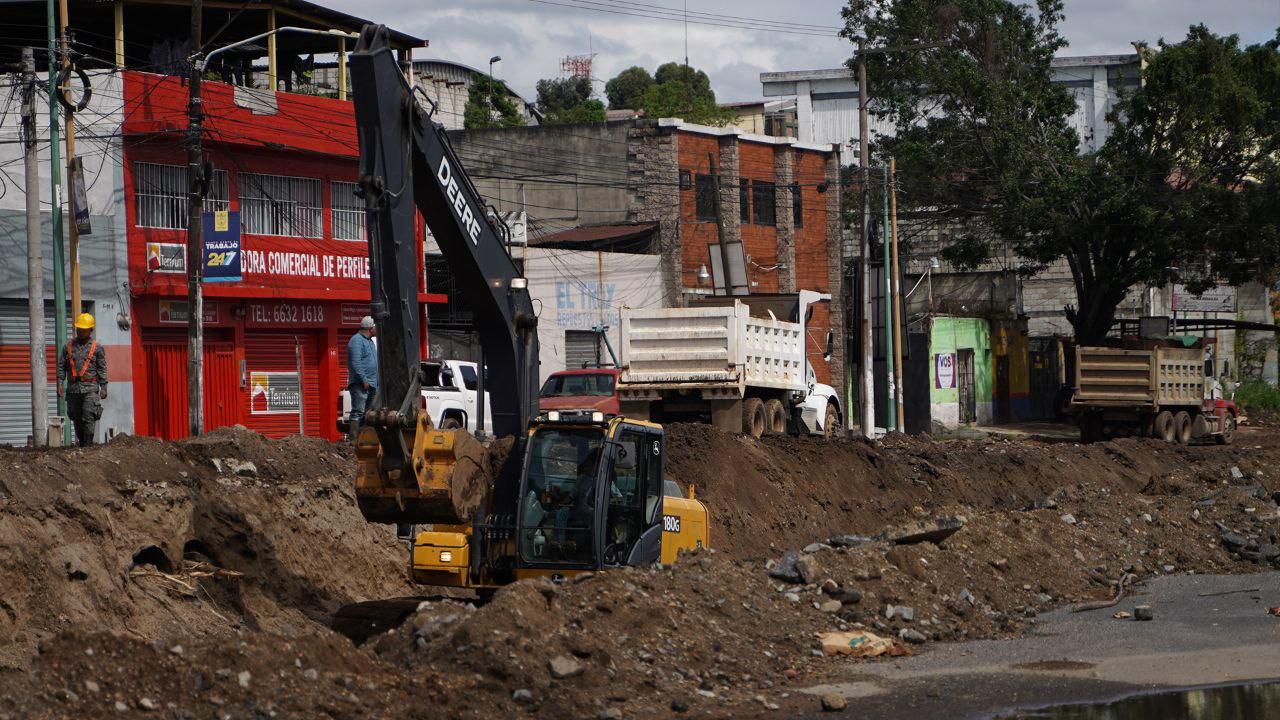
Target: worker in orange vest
[{"x": 82, "y": 364}]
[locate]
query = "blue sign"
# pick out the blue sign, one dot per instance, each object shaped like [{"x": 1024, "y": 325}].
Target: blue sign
[{"x": 221, "y": 255}]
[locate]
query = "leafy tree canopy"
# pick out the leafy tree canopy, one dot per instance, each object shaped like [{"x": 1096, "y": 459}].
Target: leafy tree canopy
[
  {"x": 489, "y": 105},
  {"x": 1185, "y": 187},
  {"x": 625, "y": 89},
  {"x": 568, "y": 100}
]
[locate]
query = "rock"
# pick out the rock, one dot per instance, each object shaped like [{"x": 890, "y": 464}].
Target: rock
[
  {"x": 176, "y": 650},
  {"x": 1167, "y": 569},
  {"x": 121, "y": 707},
  {"x": 850, "y": 596},
  {"x": 889, "y": 612},
  {"x": 704, "y": 563},
  {"x": 934, "y": 531},
  {"x": 1142, "y": 612},
  {"x": 834, "y": 702},
  {"x": 311, "y": 674},
  {"x": 1146, "y": 517},
  {"x": 808, "y": 569},
  {"x": 1044, "y": 598},
  {"x": 849, "y": 541},
  {"x": 1122, "y": 615},
  {"x": 679, "y": 706},
  {"x": 830, "y": 587},
  {"x": 562, "y": 667},
  {"x": 967, "y": 596},
  {"x": 906, "y": 612},
  {"x": 813, "y": 548},
  {"x": 67, "y": 695},
  {"x": 793, "y": 597},
  {"x": 1068, "y": 518},
  {"x": 523, "y": 695},
  {"x": 785, "y": 568},
  {"x": 147, "y": 704},
  {"x": 91, "y": 686},
  {"x": 912, "y": 636},
  {"x": 243, "y": 678},
  {"x": 1233, "y": 540},
  {"x": 610, "y": 714},
  {"x": 831, "y": 606},
  {"x": 1268, "y": 551},
  {"x": 1195, "y": 514},
  {"x": 1235, "y": 473}
]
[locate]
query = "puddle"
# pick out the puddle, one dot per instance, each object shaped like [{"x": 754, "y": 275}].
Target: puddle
[{"x": 1225, "y": 702}]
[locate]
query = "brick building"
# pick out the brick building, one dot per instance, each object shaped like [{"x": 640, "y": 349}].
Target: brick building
[{"x": 779, "y": 199}]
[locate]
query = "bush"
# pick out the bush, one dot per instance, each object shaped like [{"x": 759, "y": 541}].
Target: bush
[{"x": 1258, "y": 395}]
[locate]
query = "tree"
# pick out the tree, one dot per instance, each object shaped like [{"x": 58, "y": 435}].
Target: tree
[
  {"x": 489, "y": 105},
  {"x": 568, "y": 100},
  {"x": 984, "y": 148},
  {"x": 625, "y": 89},
  {"x": 674, "y": 98}
]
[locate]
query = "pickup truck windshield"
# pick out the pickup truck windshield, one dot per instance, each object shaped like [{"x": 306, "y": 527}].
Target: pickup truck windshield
[
  {"x": 558, "y": 504},
  {"x": 598, "y": 385}
]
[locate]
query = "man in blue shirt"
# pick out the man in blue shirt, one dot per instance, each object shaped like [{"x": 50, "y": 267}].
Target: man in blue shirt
[{"x": 362, "y": 371}]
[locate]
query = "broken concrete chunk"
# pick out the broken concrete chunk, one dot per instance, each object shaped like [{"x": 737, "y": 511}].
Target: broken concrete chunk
[
  {"x": 785, "y": 568},
  {"x": 562, "y": 667},
  {"x": 934, "y": 531}
]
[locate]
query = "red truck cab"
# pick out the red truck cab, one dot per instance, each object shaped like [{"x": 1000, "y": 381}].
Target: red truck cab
[{"x": 585, "y": 389}]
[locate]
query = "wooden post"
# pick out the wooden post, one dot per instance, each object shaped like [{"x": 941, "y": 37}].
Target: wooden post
[
  {"x": 272, "y": 77},
  {"x": 119, "y": 22},
  {"x": 342, "y": 68},
  {"x": 897, "y": 293},
  {"x": 195, "y": 254}
]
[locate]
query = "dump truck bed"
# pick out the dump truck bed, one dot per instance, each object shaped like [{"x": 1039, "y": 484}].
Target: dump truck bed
[
  {"x": 1139, "y": 378},
  {"x": 710, "y": 347}
]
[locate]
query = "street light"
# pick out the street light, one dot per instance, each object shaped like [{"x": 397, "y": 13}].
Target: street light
[{"x": 492, "y": 60}]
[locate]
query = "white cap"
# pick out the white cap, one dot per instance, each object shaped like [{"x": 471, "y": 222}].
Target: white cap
[{"x": 366, "y": 323}]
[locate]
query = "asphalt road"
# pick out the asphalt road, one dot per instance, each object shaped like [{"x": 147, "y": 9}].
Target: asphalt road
[{"x": 1079, "y": 657}]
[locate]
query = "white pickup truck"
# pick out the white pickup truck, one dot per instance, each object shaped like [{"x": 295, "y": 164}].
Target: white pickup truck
[
  {"x": 449, "y": 392},
  {"x": 740, "y": 371}
]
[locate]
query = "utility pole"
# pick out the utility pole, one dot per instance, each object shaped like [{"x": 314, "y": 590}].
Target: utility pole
[
  {"x": 864, "y": 252},
  {"x": 897, "y": 294},
  {"x": 35, "y": 273},
  {"x": 73, "y": 227},
  {"x": 720, "y": 231},
  {"x": 195, "y": 220},
  {"x": 55, "y": 192},
  {"x": 890, "y": 404}
]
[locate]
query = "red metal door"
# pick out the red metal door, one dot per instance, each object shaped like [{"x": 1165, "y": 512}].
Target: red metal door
[
  {"x": 166, "y": 366},
  {"x": 284, "y": 383}
]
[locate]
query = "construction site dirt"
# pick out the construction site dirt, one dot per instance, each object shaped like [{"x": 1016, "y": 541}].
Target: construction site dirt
[{"x": 204, "y": 578}]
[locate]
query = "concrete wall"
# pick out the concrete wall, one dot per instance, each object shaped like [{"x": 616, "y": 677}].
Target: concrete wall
[
  {"x": 580, "y": 290},
  {"x": 948, "y": 336}
]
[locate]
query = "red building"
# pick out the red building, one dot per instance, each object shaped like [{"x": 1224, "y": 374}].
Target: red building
[{"x": 275, "y": 342}]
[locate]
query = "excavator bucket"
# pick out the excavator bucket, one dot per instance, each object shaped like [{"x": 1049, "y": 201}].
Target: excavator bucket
[{"x": 451, "y": 476}]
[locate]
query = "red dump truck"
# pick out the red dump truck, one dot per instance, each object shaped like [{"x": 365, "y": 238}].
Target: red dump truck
[{"x": 1164, "y": 391}]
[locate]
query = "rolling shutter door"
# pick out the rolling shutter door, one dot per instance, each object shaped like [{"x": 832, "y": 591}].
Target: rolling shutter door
[
  {"x": 580, "y": 349},
  {"x": 15, "y": 370},
  {"x": 275, "y": 389},
  {"x": 165, "y": 355}
]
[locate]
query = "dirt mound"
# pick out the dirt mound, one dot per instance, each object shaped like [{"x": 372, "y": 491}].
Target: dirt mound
[{"x": 203, "y": 576}]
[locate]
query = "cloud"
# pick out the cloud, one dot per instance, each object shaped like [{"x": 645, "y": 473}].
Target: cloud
[{"x": 532, "y": 37}]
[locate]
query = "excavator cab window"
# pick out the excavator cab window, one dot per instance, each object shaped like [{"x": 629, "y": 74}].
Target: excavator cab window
[
  {"x": 558, "y": 501},
  {"x": 635, "y": 492}
]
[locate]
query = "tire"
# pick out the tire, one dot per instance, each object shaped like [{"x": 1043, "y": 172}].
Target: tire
[
  {"x": 831, "y": 423},
  {"x": 1182, "y": 427},
  {"x": 1228, "y": 433},
  {"x": 775, "y": 417},
  {"x": 1164, "y": 428},
  {"x": 451, "y": 423},
  {"x": 753, "y": 417}
]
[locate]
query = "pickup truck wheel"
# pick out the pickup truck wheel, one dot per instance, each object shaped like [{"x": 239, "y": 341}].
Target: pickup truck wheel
[
  {"x": 753, "y": 419},
  {"x": 1164, "y": 429},
  {"x": 775, "y": 416},
  {"x": 1182, "y": 427},
  {"x": 1228, "y": 430},
  {"x": 831, "y": 424},
  {"x": 451, "y": 423}
]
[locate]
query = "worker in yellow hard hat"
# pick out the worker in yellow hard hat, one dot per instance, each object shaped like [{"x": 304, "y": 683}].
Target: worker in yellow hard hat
[{"x": 82, "y": 364}]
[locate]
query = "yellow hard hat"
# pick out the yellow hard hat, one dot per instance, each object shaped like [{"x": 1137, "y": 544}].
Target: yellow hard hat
[{"x": 84, "y": 321}]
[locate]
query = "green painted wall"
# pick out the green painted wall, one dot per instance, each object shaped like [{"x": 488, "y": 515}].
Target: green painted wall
[{"x": 950, "y": 334}]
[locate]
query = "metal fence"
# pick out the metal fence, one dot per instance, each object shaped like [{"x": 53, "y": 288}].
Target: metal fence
[
  {"x": 346, "y": 211},
  {"x": 280, "y": 205},
  {"x": 160, "y": 195}
]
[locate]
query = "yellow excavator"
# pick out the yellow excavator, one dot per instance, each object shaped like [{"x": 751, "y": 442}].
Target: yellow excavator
[{"x": 571, "y": 492}]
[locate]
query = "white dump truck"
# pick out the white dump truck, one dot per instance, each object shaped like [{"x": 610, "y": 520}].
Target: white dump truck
[{"x": 727, "y": 366}]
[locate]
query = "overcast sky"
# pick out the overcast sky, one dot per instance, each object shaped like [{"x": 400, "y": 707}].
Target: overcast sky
[{"x": 532, "y": 35}]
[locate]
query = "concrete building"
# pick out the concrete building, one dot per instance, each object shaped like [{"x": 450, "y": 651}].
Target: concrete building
[
  {"x": 647, "y": 184},
  {"x": 284, "y": 168},
  {"x": 765, "y": 117}
]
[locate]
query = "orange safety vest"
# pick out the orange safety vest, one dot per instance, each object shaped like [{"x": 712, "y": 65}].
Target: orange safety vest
[{"x": 77, "y": 374}]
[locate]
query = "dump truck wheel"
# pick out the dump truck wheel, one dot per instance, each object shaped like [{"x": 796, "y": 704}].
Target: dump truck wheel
[
  {"x": 1164, "y": 426},
  {"x": 775, "y": 416},
  {"x": 831, "y": 425},
  {"x": 1228, "y": 431},
  {"x": 1182, "y": 427},
  {"x": 753, "y": 419}
]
